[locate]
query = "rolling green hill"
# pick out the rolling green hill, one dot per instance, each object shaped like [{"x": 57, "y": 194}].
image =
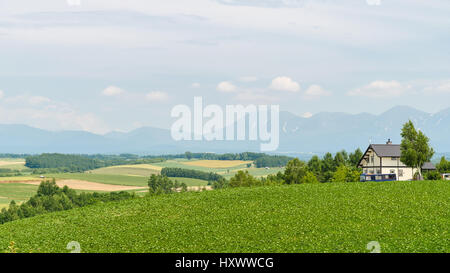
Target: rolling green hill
[{"x": 335, "y": 217}]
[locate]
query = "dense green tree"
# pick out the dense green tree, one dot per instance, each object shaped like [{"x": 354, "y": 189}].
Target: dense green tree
[
  {"x": 243, "y": 179},
  {"x": 310, "y": 178},
  {"x": 355, "y": 157},
  {"x": 415, "y": 149},
  {"x": 328, "y": 163},
  {"x": 295, "y": 171},
  {"x": 443, "y": 166},
  {"x": 160, "y": 184},
  {"x": 315, "y": 165}
]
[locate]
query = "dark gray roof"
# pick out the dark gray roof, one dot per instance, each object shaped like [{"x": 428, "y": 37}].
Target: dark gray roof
[
  {"x": 386, "y": 150},
  {"x": 428, "y": 166}
]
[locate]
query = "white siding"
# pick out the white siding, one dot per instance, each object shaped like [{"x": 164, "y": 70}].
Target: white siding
[{"x": 386, "y": 165}]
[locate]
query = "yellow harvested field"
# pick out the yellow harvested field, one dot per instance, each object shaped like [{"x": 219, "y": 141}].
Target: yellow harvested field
[
  {"x": 89, "y": 186},
  {"x": 217, "y": 163},
  {"x": 6, "y": 163}
]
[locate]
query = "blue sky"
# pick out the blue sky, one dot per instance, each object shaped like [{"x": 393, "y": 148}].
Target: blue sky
[{"x": 102, "y": 65}]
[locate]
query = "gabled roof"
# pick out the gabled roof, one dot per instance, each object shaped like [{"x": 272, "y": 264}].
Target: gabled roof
[
  {"x": 428, "y": 166},
  {"x": 391, "y": 150},
  {"x": 386, "y": 150}
]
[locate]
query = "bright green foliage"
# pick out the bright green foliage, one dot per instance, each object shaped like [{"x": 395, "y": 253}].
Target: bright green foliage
[
  {"x": 310, "y": 178},
  {"x": 295, "y": 171},
  {"x": 415, "y": 150},
  {"x": 355, "y": 157},
  {"x": 51, "y": 198},
  {"x": 346, "y": 174},
  {"x": 432, "y": 175},
  {"x": 160, "y": 184},
  {"x": 404, "y": 217},
  {"x": 443, "y": 166},
  {"x": 243, "y": 179}
]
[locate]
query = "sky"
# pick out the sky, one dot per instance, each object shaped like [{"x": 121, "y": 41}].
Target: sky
[{"x": 111, "y": 65}]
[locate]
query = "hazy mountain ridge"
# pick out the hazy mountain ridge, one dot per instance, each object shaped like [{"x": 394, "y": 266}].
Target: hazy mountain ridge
[{"x": 321, "y": 133}]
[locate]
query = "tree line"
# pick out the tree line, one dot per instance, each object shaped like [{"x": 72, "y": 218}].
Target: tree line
[
  {"x": 79, "y": 163},
  {"x": 179, "y": 172},
  {"x": 338, "y": 168},
  {"x": 272, "y": 161},
  {"x": 51, "y": 198}
]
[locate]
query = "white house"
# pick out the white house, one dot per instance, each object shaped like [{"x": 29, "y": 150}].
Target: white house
[{"x": 385, "y": 159}]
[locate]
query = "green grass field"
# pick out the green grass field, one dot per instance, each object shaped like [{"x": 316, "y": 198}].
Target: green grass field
[
  {"x": 131, "y": 170},
  {"x": 15, "y": 191},
  {"x": 335, "y": 217},
  {"x": 128, "y": 175},
  {"x": 179, "y": 164},
  {"x": 190, "y": 182},
  {"x": 112, "y": 179},
  {"x": 13, "y": 164}
]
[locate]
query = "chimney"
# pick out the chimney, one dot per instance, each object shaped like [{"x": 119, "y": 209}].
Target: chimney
[{"x": 389, "y": 142}]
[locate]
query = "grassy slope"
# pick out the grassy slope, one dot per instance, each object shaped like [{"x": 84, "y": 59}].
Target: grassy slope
[
  {"x": 190, "y": 181},
  {"x": 112, "y": 179},
  {"x": 15, "y": 191},
  {"x": 403, "y": 217}
]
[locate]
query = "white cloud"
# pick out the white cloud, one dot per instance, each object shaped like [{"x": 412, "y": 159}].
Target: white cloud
[
  {"x": 36, "y": 100},
  {"x": 307, "y": 115},
  {"x": 380, "y": 89},
  {"x": 248, "y": 79},
  {"x": 111, "y": 91},
  {"x": 157, "y": 96},
  {"x": 316, "y": 91},
  {"x": 284, "y": 84},
  {"x": 45, "y": 113},
  {"x": 226, "y": 87},
  {"x": 439, "y": 88},
  {"x": 1, "y": 94},
  {"x": 252, "y": 97},
  {"x": 373, "y": 2}
]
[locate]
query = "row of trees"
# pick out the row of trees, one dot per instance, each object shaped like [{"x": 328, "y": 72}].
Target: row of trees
[
  {"x": 8, "y": 172},
  {"x": 179, "y": 172},
  {"x": 80, "y": 163},
  {"x": 272, "y": 161},
  {"x": 50, "y": 198},
  {"x": 338, "y": 168}
]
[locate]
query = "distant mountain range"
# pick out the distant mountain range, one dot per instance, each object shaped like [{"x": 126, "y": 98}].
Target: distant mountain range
[{"x": 323, "y": 132}]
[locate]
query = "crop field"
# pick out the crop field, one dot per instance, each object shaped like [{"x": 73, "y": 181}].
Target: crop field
[
  {"x": 335, "y": 217},
  {"x": 132, "y": 170},
  {"x": 190, "y": 182},
  {"x": 18, "y": 192},
  {"x": 192, "y": 165},
  {"x": 13, "y": 164},
  {"x": 113, "y": 179},
  {"x": 123, "y": 176},
  {"x": 217, "y": 164},
  {"x": 18, "y": 178}
]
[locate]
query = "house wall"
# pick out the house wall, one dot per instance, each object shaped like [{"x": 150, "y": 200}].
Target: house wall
[{"x": 387, "y": 165}]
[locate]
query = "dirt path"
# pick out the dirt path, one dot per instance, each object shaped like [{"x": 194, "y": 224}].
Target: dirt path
[{"x": 89, "y": 186}]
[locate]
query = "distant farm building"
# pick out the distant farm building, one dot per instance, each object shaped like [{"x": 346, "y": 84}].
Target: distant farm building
[{"x": 384, "y": 159}]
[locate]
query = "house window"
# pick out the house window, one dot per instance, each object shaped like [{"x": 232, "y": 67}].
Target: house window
[
  {"x": 400, "y": 173},
  {"x": 378, "y": 171},
  {"x": 372, "y": 159},
  {"x": 393, "y": 158},
  {"x": 392, "y": 171}
]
